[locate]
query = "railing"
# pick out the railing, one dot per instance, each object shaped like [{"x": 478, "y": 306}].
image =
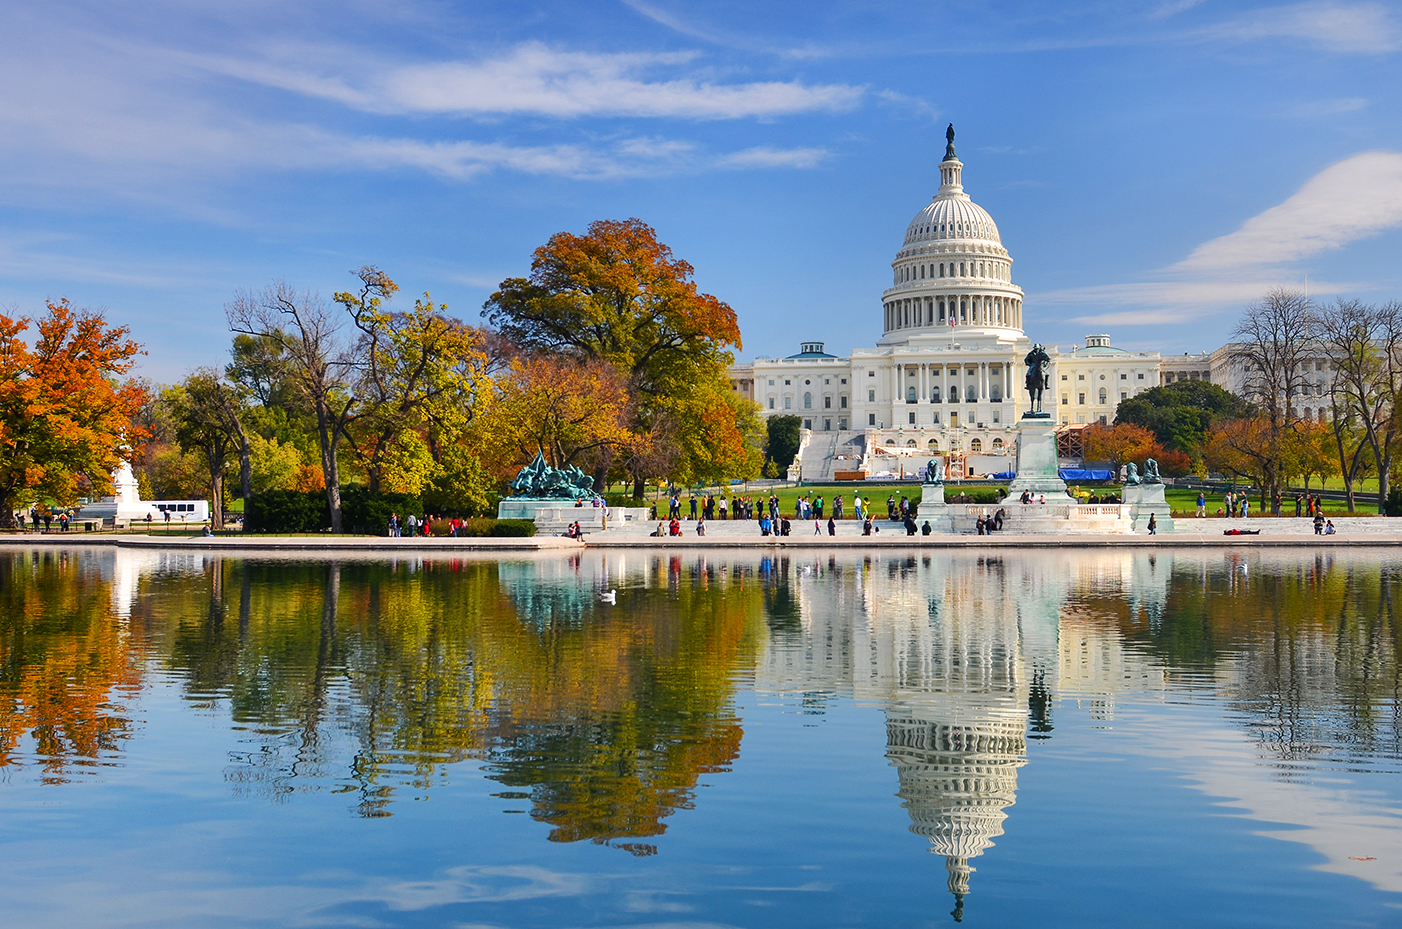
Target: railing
[
  {"x": 800, "y": 361},
  {"x": 1055, "y": 510}
]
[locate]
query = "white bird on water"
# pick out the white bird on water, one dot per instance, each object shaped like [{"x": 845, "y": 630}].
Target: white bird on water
[{"x": 610, "y": 597}]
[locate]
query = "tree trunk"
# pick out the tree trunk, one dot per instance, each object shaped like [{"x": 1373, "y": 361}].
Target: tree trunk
[
  {"x": 245, "y": 468},
  {"x": 638, "y": 488},
  {"x": 1384, "y": 478},
  {"x": 330, "y": 473},
  {"x": 216, "y": 493}
]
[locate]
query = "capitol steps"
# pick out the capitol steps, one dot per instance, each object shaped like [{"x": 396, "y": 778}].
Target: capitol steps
[{"x": 816, "y": 457}]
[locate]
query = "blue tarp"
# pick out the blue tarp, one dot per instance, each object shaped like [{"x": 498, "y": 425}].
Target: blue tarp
[
  {"x": 1004, "y": 475},
  {"x": 1086, "y": 474}
]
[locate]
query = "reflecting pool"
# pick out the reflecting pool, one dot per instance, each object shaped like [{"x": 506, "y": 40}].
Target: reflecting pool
[{"x": 699, "y": 740}]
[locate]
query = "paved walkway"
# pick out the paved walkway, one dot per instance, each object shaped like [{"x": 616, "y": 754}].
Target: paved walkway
[
  {"x": 1347, "y": 526},
  {"x": 1188, "y": 532},
  {"x": 295, "y": 543}
]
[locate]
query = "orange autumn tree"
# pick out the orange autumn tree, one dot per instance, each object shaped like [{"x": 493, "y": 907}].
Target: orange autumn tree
[
  {"x": 65, "y": 421},
  {"x": 616, "y": 294},
  {"x": 1118, "y": 444}
]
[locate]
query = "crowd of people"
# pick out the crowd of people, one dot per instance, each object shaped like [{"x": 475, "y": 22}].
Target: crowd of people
[
  {"x": 49, "y": 517},
  {"x": 411, "y": 525}
]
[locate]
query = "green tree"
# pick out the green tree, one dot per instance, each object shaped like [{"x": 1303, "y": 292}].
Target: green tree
[
  {"x": 307, "y": 333},
  {"x": 783, "y": 440},
  {"x": 206, "y": 411},
  {"x": 417, "y": 374},
  {"x": 1180, "y": 414},
  {"x": 274, "y": 464}
]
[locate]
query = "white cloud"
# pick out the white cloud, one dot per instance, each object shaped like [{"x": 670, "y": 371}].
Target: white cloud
[
  {"x": 1356, "y": 198},
  {"x": 1339, "y": 27},
  {"x": 1169, "y": 302},
  {"x": 1316, "y": 109},
  {"x": 539, "y": 80},
  {"x": 765, "y": 157}
]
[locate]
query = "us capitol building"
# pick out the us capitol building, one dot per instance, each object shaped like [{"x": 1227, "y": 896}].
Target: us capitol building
[{"x": 947, "y": 374}]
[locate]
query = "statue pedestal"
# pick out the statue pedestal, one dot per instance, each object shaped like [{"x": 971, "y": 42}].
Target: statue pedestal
[
  {"x": 1037, "y": 461},
  {"x": 527, "y": 507},
  {"x": 1144, "y": 499},
  {"x": 934, "y": 509}
]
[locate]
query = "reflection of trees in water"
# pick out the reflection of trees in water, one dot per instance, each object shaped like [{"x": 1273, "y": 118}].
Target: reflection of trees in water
[
  {"x": 66, "y": 663},
  {"x": 608, "y": 713},
  {"x": 1306, "y": 651},
  {"x": 610, "y": 722}
]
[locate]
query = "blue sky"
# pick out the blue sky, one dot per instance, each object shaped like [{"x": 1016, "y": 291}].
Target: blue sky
[{"x": 1152, "y": 166}]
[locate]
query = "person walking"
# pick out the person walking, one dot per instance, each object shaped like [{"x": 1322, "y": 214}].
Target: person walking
[
  {"x": 1202, "y": 505},
  {"x": 1245, "y": 506},
  {"x": 1299, "y": 506},
  {"x": 1153, "y": 524},
  {"x": 832, "y": 525}
]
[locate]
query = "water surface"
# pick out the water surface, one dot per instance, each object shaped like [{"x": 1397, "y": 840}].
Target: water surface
[{"x": 828, "y": 739}]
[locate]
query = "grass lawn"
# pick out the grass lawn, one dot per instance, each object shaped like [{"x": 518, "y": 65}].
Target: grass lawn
[
  {"x": 876, "y": 494},
  {"x": 1184, "y": 503}
]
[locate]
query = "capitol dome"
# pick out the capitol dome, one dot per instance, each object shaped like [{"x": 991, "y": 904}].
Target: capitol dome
[
  {"x": 952, "y": 217},
  {"x": 952, "y": 270}
]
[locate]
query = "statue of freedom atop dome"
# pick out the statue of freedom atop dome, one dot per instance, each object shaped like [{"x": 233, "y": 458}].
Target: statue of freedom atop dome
[
  {"x": 949, "y": 143},
  {"x": 1038, "y": 380}
]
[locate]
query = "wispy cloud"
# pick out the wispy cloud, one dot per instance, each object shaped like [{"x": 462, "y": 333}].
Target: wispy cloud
[
  {"x": 1316, "y": 109},
  {"x": 1170, "y": 302},
  {"x": 643, "y": 157},
  {"x": 137, "y": 124},
  {"x": 764, "y": 157},
  {"x": 1341, "y": 27},
  {"x": 1351, "y": 200},
  {"x": 536, "y": 79}
]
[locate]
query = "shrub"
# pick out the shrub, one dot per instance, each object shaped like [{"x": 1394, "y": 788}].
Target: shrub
[
  {"x": 485, "y": 526},
  {"x": 368, "y": 513},
  {"x": 286, "y": 511},
  {"x": 974, "y": 494}
]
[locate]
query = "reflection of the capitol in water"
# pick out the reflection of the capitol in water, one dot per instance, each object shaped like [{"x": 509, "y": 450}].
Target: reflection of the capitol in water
[{"x": 964, "y": 655}]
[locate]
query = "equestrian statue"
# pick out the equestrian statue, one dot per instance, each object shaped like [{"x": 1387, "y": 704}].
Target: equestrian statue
[{"x": 1038, "y": 379}]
